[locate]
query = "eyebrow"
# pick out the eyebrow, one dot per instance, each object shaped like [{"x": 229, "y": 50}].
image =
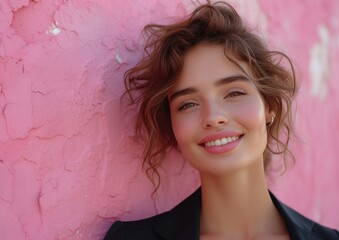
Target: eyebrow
[{"x": 221, "y": 82}]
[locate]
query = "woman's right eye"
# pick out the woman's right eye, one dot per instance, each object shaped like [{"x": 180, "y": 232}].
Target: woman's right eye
[{"x": 186, "y": 106}]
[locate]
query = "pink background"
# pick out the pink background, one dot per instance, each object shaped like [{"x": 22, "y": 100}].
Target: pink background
[{"x": 68, "y": 164}]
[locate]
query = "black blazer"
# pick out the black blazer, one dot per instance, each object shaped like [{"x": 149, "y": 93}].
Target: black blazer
[{"x": 183, "y": 223}]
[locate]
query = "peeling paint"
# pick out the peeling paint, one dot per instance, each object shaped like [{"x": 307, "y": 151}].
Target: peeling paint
[
  {"x": 319, "y": 64},
  {"x": 53, "y": 29},
  {"x": 118, "y": 58}
]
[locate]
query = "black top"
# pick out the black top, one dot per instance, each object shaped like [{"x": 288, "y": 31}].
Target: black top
[{"x": 183, "y": 223}]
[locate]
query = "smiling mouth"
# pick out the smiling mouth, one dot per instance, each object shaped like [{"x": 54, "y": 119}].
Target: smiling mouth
[{"x": 221, "y": 141}]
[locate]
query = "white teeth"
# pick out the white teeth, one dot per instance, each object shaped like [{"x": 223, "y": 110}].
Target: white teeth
[
  {"x": 221, "y": 141},
  {"x": 217, "y": 142}
]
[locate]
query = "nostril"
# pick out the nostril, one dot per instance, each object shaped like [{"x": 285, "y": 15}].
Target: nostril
[
  {"x": 211, "y": 124},
  {"x": 214, "y": 119}
]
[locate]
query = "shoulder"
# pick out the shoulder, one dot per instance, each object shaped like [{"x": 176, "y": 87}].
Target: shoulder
[
  {"x": 140, "y": 229},
  {"x": 302, "y": 224},
  {"x": 301, "y": 227},
  {"x": 182, "y": 222},
  {"x": 322, "y": 232}
]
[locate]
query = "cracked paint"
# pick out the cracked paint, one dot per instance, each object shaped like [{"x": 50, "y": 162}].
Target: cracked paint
[
  {"x": 53, "y": 29},
  {"x": 69, "y": 165},
  {"x": 6, "y": 190}
]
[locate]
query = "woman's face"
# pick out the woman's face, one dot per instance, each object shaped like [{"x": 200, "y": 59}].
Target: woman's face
[{"x": 218, "y": 116}]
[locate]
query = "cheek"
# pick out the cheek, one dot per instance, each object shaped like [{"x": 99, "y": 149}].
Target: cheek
[
  {"x": 183, "y": 128},
  {"x": 252, "y": 113},
  {"x": 180, "y": 130}
]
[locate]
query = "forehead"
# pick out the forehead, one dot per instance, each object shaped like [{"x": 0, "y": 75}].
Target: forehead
[{"x": 208, "y": 62}]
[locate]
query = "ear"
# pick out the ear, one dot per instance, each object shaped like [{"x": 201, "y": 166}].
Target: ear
[{"x": 269, "y": 115}]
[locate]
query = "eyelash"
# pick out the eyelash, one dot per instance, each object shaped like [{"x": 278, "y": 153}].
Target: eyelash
[
  {"x": 235, "y": 93},
  {"x": 186, "y": 106}
]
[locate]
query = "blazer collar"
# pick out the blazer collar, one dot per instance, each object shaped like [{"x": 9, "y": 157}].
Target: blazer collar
[
  {"x": 183, "y": 221},
  {"x": 298, "y": 226}
]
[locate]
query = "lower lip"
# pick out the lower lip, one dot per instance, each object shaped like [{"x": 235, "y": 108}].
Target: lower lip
[{"x": 222, "y": 148}]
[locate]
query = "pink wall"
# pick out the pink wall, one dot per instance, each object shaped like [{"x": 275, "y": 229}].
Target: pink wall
[{"x": 68, "y": 162}]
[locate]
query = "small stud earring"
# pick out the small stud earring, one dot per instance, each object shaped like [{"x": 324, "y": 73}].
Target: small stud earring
[
  {"x": 271, "y": 122},
  {"x": 178, "y": 147}
]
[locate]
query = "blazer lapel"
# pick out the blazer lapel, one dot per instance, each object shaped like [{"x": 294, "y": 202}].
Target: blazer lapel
[
  {"x": 183, "y": 221},
  {"x": 298, "y": 226}
]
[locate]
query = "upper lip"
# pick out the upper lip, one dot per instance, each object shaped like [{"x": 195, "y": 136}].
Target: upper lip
[{"x": 219, "y": 135}]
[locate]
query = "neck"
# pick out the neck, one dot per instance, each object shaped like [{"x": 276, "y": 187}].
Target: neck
[{"x": 238, "y": 204}]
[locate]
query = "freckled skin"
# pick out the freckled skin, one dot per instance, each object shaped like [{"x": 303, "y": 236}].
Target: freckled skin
[{"x": 235, "y": 106}]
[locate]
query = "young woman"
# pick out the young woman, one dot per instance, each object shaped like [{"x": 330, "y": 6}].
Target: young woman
[{"x": 210, "y": 87}]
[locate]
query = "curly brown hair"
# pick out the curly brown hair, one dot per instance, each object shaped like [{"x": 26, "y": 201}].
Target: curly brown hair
[{"x": 147, "y": 83}]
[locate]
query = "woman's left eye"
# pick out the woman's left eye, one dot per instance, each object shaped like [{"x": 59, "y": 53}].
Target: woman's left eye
[{"x": 235, "y": 94}]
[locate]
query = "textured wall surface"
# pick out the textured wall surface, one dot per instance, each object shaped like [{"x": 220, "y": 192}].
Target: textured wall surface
[{"x": 69, "y": 165}]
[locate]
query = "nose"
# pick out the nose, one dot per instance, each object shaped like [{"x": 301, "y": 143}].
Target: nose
[{"x": 214, "y": 116}]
